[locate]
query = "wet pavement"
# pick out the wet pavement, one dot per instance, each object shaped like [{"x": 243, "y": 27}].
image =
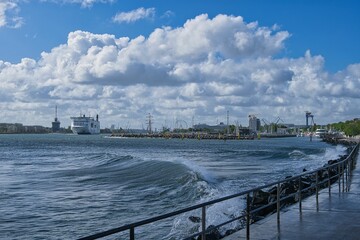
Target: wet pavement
[{"x": 336, "y": 217}]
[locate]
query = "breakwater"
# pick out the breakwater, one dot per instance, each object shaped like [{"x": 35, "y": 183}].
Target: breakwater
[
  {"x": 199, "y": 136},
  {"x": 170, "y": 135}
]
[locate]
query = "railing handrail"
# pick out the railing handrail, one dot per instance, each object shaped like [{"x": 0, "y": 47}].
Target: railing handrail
[{"x": 205, "y": 204}]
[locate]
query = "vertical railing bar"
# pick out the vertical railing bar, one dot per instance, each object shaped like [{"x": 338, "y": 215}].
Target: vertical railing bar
[
  {"x": 278, "y": 204},
  {"x": 339, "y": 177},
  {"x": 248, "y": 216},
  {"x": 329, "y": 180},
  {"x": 317, "y": 191},
  {"x": 132, "y": 233},
  {"x": 347, "y": 176},
  {"x": 203, "y": 222},
  {"x": 343, "y": 178},
  {"x": 300, "y": 207},
  {"x": 348, "y": 171}
]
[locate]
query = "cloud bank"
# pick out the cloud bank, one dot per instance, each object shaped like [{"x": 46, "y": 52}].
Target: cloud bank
[{"x": 196, "y": 71}]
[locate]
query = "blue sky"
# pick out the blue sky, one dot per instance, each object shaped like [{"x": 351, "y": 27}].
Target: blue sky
[
  {"x": 327, "y": 28},
  {"x": 307, "y": 59}
]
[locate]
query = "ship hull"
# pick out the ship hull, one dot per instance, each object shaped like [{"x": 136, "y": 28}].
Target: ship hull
[
  {"x": 85, "y": 125},
  {"x": 83, "y": 131}
]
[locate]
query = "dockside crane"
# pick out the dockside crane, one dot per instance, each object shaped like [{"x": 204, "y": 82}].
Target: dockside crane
[
  {"x": 274, "y": 124},
  {"x": 266, "y": 125},
  {"x": 307, "y": 116}
]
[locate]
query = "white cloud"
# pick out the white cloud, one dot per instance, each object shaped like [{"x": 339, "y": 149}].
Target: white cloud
[
  {"x": 168, "y": 14},
  {"x": 135, "y": 15},
  {"x": 202, "y": 69},
  {"x": 9, "y": 14}
]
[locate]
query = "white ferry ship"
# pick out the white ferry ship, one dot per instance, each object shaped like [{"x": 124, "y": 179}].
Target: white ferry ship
[
  {"x": 320, "y": 132},
  {"x": 85, "y": 125}
]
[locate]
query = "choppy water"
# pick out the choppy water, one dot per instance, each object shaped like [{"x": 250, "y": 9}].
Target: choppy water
[{"x": 67, "y": 186}]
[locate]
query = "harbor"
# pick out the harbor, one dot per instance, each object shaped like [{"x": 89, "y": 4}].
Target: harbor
[
  {"x": 159, "y": 120},
  {"x": 98, "y": 183}
]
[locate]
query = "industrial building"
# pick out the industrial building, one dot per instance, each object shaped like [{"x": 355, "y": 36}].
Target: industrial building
[{"x": 254, "y": 123}]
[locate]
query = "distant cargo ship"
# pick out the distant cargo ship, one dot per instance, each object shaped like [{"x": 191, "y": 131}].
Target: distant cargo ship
[{"x": 85, "y": 125}]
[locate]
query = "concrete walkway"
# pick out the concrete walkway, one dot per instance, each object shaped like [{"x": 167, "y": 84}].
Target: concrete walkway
[{"x": 338, "y": 217}]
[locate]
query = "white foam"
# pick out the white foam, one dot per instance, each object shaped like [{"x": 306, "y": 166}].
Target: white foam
[
  {"x": 202, "y": 171},
  {"x": 334, "y": 153}
]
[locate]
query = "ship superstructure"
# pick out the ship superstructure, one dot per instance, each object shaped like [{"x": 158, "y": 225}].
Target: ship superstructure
[{"x": 85, "y": 125}]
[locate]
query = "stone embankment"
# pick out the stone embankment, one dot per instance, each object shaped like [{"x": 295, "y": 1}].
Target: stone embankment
[{"x": 338, "y": 139}]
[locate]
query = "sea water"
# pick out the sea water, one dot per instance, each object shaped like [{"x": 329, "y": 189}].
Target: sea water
[{"x": 58, "y": 186}]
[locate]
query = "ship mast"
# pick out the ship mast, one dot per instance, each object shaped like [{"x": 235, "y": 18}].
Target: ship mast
[{"x": 56, "y": 118}]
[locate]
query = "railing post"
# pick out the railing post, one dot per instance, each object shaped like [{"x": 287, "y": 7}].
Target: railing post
[
  {"x": 203, "y": 222},
  {"x": 132, "y": 233},
  {"x": 317, "y": 190},
  {"x": 248, "y": 216},
  {"x": 300, "y": 208},
  {"x": 329, "y": 180},
  {"x": 278, "y": 203},
  {"x": 343, "y": 171},
  {"x": 339, "y": 177},
  {"x": 346, "y": 175}
]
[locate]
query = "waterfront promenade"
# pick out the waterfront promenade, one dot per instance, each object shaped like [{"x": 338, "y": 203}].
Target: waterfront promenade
[{"x": 337, "y": 217}]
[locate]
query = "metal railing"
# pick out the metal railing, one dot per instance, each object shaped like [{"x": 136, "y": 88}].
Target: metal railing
[{"x": 339, "y": 171}]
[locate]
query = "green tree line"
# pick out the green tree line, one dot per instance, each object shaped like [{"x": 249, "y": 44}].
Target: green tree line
[{"x": 350, "y": 128}]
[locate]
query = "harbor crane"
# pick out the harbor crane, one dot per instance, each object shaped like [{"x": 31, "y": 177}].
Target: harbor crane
[
  {"x": 309, "y": 115},
  {"x": 277, "y": 120},
  {"x": 271, "y": 127},
  {"x": 266, "y": 125},
  {"x": 181, "y": 124}
]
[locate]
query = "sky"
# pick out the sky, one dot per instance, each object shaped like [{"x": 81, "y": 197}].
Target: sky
[{"x": 183, "y": 62}]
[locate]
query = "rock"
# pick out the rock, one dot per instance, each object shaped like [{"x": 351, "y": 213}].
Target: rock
[
  {"x": 195, "y": 219},
  {"x": 260, "y": 197},
  {"x": 213, "y": 234},
  {"x": 229, "y": 232}
]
